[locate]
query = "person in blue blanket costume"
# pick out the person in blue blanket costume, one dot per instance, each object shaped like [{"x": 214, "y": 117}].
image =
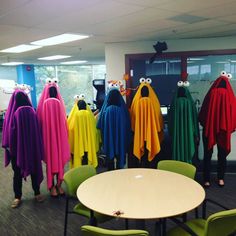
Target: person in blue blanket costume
[{"x": 114, "y": 123}]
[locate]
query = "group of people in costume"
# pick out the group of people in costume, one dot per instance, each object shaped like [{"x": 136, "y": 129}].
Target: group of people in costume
[
  {"x": 30, "y": 137},
  {"x": 217, "y": 116}
]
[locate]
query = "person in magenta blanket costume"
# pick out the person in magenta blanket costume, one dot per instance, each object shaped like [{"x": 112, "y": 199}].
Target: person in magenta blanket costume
[{"x": 23, "y": 144}]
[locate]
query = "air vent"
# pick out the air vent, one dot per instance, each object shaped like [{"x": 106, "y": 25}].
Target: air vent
[{"x": 189, "y": 19}]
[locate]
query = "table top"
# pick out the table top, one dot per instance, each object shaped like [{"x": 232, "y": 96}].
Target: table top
[{"x": 139, "y": 193}]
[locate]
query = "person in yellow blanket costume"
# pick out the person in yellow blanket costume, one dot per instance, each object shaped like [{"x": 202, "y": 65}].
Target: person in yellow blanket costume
[
  {"x": 146, "y": 121},
  {"x": 83, "y": 134}
]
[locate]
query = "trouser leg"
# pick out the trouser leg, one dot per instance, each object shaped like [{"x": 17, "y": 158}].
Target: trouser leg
[
  {"x": 206, "y": 160},
  {"x": 221, "y": 163},
  {"x": 35, "y": 185},
  {"x": 17, "y": 179},
  {"x": 110, "y": 164}
]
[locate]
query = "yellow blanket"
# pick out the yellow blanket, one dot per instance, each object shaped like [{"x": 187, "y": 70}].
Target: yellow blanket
[{"x": 147, "y": 123}]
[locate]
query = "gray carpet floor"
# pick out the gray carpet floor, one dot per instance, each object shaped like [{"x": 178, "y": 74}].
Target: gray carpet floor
[{"x": 47, "y": 218}]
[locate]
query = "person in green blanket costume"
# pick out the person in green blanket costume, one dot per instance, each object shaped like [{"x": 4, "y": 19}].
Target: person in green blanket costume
[{"x": 183, "y": 124}]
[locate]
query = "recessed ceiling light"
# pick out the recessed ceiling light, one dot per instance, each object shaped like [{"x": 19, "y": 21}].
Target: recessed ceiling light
[
  {"x": 196, "y": 59},
  {"x": 72, "y": 62},
  {"x": 13, "y": 63},
  {"x": 63, "y": 38},
  {"x": 21, "y": 48},
  {"x": 56, "y": 57},
  {"x": 222, "y": 62}
]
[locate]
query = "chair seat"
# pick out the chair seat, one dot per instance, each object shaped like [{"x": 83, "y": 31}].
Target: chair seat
[
  {"x": 84, "y": 211},
  {"x": 197, "y": 225},
  {"x": 88, "y": 230}
]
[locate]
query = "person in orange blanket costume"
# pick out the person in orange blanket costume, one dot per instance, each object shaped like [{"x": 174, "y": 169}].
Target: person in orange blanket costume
[{"x": 146, "y": 121}]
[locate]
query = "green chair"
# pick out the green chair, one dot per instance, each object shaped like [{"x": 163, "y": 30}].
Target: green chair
[
  {"x": 72, "y": 179},
  {"x": 88, "y": 230},
  {"x": 178, "y": 167},
  {"x": 222, "y": 223}
]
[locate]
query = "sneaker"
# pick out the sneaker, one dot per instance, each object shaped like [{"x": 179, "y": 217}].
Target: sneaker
[
  {"x": 53, "y": 192},
  {"x": 39, "y": 198},
  {"x": 61, "y": 191},
  {"x": 206, "y": 184},
  {"x": 16, "y": 203},
  {"x": 221, "y": 183}
]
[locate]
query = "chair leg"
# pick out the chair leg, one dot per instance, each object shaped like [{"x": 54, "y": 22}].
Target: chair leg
[
  {"x": 204, "y": 210},
  {"x": 126, "y": 224},
  {"x": 92, "y": 220},
  {"x": 184, "y": 217},
  {"x": 66, "y": 216},
  {"x": 196, "y": 213},
  {"x": 158, "y": 228},
  {"x": 164, "y": 227}
]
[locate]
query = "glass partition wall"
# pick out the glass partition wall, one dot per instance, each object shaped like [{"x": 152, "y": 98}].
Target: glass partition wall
[{"x": 203, "y": 67}]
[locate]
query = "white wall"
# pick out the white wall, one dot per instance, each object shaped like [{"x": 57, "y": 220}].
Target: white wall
[
  {"x": 115, "y": 60},
  {"x": 115, "y": 52}
]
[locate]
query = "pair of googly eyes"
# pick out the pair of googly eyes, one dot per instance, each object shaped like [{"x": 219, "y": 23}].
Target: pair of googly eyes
[
  {"x": 79, "y": 97},
  {"x": 183, "y": 83},
  {"x": 143, "y": 80},
  {"x": 228, "y": 75},
  {"x": 114, "y": 85},
  {"x": 22, "y": 86},
  {"x": 50, "y": 81}
]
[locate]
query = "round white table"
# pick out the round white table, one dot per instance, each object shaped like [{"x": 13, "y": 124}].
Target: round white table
[{"x": 140, "y": 193}]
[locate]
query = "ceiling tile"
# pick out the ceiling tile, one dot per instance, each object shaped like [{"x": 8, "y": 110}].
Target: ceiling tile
[
  {"x": 38, "y": 11},
  {"x": 187, "y": 6},
  {"x": 98, "y": 13},
  {"x": 11, "y": 5},
  {"x": 221, "y": 10}
]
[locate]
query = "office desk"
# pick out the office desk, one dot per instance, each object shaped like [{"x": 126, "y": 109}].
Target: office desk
[{"x": 140, "y": 193}]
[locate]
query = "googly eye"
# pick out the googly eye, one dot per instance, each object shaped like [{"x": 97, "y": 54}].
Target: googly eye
[
  {"x": 55, "y": 80},
  {"x": 76, "y": 97},
  {"x": 186, "y": 84},
  {"x": 48, "y": 80},
  {"x": 148, "y": 80},
  {"x": 16, "y": 86},
  {"x": 82, "y": 96},
  {"x": 116, "y": 85},
  {"x": 142, "y": 80},
  {"x": 180, "y": 83},
  {"x": 229, "y": 76},
  {"x": 223, "y": 73}
]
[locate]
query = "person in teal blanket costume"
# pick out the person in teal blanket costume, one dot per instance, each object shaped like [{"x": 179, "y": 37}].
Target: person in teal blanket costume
[{"x": 183, "y": 124}]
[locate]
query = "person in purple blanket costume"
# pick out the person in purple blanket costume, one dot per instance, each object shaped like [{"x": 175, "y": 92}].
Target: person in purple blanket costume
[{"x": 22, "y": 141}]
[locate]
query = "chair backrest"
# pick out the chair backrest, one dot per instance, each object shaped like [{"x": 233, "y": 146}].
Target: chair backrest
[
  {"x": 179, "y": 167},
  {"x": 88, "y": 230},
  {"x": 222, "y": 223},
  {"x": 74, "y": 177}
]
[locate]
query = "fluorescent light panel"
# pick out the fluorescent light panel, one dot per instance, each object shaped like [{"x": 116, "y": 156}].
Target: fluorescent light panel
[
  {"x": 13, "y": 63},
  {"x": 21, "y": 48},
  {"x": 63, "y": 38},
  {"x": 196, "y": 59},
  {"x": 72, "y": 62},
  {"x": 55, "y": 57}
]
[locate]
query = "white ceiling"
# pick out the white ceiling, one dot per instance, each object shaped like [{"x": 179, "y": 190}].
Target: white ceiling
[{"x": 24, "y": 21}]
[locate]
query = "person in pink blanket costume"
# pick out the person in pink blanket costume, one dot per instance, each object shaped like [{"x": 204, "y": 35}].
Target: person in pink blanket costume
[{"x": 52, "y": 118}]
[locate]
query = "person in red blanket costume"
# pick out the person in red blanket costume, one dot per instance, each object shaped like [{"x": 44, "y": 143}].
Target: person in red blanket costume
[{"x": 218, "y": 118}]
